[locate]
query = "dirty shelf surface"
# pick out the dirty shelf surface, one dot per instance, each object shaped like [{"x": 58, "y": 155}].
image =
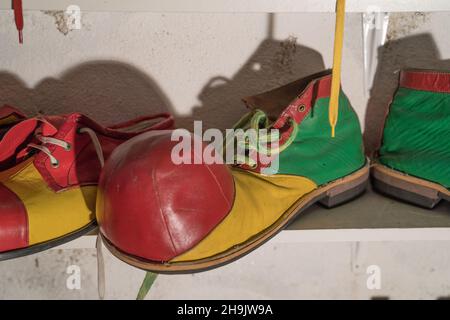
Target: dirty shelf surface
[
  {"x": 371, "y": 211},
  {"x": 371, "y": 217}
]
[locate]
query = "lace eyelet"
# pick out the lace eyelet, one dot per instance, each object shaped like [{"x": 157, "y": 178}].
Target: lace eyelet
[
  {"x": 253, "y": 166},
  {"x": 55, "y": 165},
  {"x": 301, "y": 108},
  {"x": 68, "y": 147}
]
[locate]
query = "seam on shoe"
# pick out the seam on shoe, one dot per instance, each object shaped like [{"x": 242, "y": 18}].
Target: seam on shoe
[
  {"x": 218, "y": 184},
  {"x": 174, "y": 249}
]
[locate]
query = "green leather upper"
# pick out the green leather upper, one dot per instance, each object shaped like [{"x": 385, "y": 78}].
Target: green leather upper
[
  {"x": 416, "y": 137},
  {"x": 315, "y": 154}
]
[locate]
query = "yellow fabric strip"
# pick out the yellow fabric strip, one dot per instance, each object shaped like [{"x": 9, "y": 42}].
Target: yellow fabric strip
[
  {"x": 259, "y": 202},
  {"x": 8, "y": 120},
  {"x": 337, "y": 60},
  {"x": 51, "y": 214}
]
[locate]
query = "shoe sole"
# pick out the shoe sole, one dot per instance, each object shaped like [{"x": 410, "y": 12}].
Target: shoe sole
[
  {"x": 407, "y": 188},
  {"x": 330, "y": 195},
  {"x": 12, "y": 254}
]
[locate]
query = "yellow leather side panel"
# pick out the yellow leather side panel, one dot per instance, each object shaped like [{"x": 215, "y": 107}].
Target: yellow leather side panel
[
  {"x": 8, "y": 120},
  {"x": 259, "y": 202},
  {"x": 51, "y": 214}
]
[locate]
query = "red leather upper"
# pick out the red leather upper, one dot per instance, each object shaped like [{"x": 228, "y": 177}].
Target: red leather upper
[
  {"x": 13, "y": 221},
  {"x": 426, "y": 80},
  {"x": 65, "y": 127},
  {"x": 149, "y": 207},
  {"x": 307, "y": 91}
]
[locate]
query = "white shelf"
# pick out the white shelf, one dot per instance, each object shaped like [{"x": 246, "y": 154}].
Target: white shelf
[
  {"x": 237, "y": 6},
  {"x": 326, "y": 235},
  {"x": 370, "y": 218}
]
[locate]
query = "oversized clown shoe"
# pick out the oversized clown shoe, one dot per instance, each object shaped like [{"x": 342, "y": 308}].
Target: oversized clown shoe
[{"x": 159, "y": 215}]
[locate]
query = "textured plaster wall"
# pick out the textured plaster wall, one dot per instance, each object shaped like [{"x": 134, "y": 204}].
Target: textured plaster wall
[
  {"x": 275, "y": 271},
  {"x": 198, "y": 66}
]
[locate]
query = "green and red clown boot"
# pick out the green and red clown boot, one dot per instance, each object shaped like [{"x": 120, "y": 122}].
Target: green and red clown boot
[
  {"x": 175, "y": 218},
  {"x": 413, "y": 163}
]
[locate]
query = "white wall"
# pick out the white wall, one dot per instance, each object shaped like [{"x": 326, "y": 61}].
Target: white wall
[
  {"x": 198, "y": 66},
  {"x": 409, "y": 270},
  {"x": 120, "y": 65}
]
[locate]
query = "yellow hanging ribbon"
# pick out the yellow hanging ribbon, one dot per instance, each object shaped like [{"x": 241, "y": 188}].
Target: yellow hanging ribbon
[{"x": 337, "y": 60}]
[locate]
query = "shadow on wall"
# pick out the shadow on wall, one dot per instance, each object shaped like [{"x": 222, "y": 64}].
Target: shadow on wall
[
  {"x": 418, "y": 51},
  {"x": 112, "y": 91},
  {"x": 105, "y": 90},
  {"x": 274, "y": 63}
]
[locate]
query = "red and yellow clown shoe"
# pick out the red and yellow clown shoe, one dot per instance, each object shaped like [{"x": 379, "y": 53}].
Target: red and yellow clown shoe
[
  {"x": 48, "y": 197},
  {"x": 192, "y": 217}
]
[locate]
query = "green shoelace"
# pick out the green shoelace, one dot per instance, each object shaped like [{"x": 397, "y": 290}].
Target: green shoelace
[{"x": 257, "y": 120}]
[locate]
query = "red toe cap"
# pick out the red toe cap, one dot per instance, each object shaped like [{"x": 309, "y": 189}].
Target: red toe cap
[
  {"x": 13, "y": 221},
  {"x": 149, "y": 207}
]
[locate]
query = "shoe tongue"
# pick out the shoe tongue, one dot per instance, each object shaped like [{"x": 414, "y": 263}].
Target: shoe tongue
[
  {"x": 15, "y": 139},
  {"x": 50, "y": 125}
]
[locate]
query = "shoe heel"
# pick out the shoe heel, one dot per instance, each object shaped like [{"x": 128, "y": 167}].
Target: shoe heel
[
  {"x": 404, "y": 190},
  {"x": 345, "y": 192}
]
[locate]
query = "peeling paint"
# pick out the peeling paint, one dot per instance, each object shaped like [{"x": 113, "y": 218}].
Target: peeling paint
[
  {"x": 285, "y": 55},
  {"x": 403, "y": 24},
  {"x": 60, "y": 20}
]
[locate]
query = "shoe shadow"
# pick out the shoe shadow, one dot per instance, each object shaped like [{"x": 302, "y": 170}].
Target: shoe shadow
[
  {"x": 113, "y": 91},
  {"x": 418, "y": 51},
  {"x": 274, "y": 63},
  {"x": 108, "y": 91}
]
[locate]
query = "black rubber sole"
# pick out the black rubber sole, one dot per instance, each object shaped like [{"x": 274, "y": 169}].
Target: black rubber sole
[{"x": 13, "y": 254}]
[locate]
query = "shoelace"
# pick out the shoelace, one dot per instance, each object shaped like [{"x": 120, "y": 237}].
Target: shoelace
[
  {"x": 55, "y": 163},
  {"x": 18, "y": 18},
  {"x": 257, "y": 120},
  {"x": 333, "y": 109},
  {"x": 67, "y": 146},
  {"x": 48, "y": 140}
]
